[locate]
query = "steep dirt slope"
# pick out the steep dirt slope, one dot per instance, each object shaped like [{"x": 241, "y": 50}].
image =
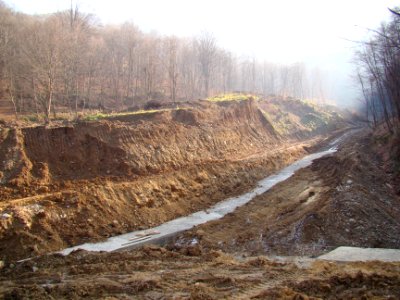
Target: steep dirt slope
[
  {"x": 168, "y": 140},
  {"x": 61, "y": 186},
  {"x": 296, "y": 118}
]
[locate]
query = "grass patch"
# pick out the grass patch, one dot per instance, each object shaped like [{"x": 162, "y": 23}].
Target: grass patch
[
  {"x": 314, "y": 121},
  {"x": 30, "y": 118},
  {"x": 98, "y": 116},
  {"x": 279, "y": 121},
  {"x": 233, "y": 97}
]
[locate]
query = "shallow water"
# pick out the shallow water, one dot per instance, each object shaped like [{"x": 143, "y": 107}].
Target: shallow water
[{"x": 215, "y": 212}]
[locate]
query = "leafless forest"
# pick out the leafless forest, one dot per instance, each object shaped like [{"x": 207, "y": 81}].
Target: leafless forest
[
  {"x": 135, "y": 165},
  {"x": 69, "y": 61},
  {"x": 379, "y": 73}
]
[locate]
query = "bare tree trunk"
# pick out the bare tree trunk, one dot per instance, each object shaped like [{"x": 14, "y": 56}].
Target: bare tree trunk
[{"x": 365, "y": 97}]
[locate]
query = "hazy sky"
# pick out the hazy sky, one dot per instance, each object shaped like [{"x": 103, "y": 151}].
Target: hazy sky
[{"x": 284, "y": 31}]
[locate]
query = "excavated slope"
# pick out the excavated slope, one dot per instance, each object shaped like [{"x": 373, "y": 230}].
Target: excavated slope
[
  {"x": 130, "y": 147},
  {"x": 62, "y": 186}
]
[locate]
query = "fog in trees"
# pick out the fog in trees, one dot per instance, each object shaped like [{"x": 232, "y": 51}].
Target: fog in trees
[
  {"x": 378, "y": 73},
  {"x": 67, "y": 61}
]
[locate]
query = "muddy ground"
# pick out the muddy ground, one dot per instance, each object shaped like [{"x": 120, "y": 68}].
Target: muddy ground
[
  {"x": 348, "y": 198},
  {"x": 344, "y": 199},
  {"x": 191, "y": 273}
]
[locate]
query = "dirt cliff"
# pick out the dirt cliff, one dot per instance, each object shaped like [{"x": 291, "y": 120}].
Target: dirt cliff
[{"x": 129, "y": 146}]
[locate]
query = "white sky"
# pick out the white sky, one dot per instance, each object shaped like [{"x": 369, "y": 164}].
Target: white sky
[{"x": 285, "y": 31}]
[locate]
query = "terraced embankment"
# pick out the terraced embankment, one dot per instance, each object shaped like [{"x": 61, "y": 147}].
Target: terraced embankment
[
  {"x": 202, "y": 271},
  {"x": 65, "y": 185}
]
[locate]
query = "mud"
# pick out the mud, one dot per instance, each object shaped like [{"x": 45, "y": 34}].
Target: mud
[
  {"x": 340, "y": 200},
  {"x": 192, "y": 273},
  {"x": 67, "y": 185},
  {"x": 343, "y": 199}
]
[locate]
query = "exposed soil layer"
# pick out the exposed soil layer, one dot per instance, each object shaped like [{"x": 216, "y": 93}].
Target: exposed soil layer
[
  {"x": 345, "y": 199},
  {"x": 157, "y": 273},
  {"x": 63, "y": 186}
]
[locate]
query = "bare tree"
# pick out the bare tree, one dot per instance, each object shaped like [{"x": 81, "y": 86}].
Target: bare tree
[
  {"x": 42, "y": 51},
  {"x": 68, "y": 60},
  {"x": 10, "y": 64},
  {"x": 171, "y": 59},
  {"x": 76, "y": 30},
  {"x": 207, "y": 49}
]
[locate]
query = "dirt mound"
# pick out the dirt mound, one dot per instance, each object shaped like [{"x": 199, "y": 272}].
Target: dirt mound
[
  {"x": 387, "y": 147},
  {"x": 343, "y": 286}
]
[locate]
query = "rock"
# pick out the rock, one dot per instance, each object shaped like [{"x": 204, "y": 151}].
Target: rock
[
  {"x": 5, "y": 216},
  {"x": 200, "y": 232},
  {"x": 43, "y": 189},
  {"x": 173, "y": 187},
  {"x": 153, "y": 295}
]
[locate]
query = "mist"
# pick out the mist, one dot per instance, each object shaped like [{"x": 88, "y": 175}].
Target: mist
[{"x": 318, "y": 35}]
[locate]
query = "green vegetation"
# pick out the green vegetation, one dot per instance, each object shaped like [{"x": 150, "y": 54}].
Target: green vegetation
[
  {"x": 313, "y": 121},
  {"x": 233, "y": 97},
  {"x": 99, "y": 115},
  {"x": 30, "y": 118},
  {"x": 281, "y": 121},
  {"x": 272, "y": 122}
]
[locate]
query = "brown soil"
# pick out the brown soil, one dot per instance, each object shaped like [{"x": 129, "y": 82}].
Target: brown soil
[
  {"x": 343, "y": 199},
  {"x": 340, "y": 200},
  {"x": 157, "y": 273},
  {"x": 62, "y": 186}
]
